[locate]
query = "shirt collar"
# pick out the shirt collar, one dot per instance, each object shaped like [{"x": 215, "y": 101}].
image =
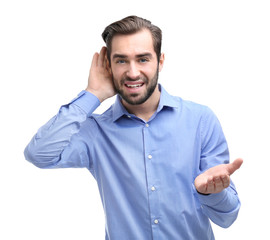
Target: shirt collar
[{"x": 166, "y": 100}]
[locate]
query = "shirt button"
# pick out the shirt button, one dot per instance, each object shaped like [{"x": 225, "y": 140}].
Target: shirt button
[
  {"x": 129, "y": 116},
  {"x": 149, "y": 156},
  {"x": 153, "y": 188},
  {"x": 147, "y": 125},
  {"x": 156, "y": 221}
]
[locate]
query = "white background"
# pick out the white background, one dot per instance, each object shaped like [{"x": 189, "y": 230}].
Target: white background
[{"x": 217, "y": 53}]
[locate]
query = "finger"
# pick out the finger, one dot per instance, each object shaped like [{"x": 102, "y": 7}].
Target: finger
[
  {"x": 210, "y": 185},
  {"x": 94, "y": 60},
  {"x": 236, "y": 164},
  {"x": 225, "y": 181},
  {"x": 218, "y": 184}
]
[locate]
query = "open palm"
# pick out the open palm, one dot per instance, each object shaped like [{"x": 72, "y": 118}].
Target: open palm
[{"x": 217, "y": 178}]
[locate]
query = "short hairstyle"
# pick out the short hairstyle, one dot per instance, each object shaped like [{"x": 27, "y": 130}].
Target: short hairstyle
[{"x": 129, "y": 25}]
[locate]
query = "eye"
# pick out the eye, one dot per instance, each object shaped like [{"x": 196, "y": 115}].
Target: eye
[
  {"x": 143, "y": 60},
  {"x": 120, "y": 61}
]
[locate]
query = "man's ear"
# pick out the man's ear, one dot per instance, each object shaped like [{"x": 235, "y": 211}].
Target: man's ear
[
  {"x": 161, "y": 61},
  {"x": 108, "y": 65}
]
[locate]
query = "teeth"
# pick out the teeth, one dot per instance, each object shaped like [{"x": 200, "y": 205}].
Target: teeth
[{"x": 134, "y": 86}]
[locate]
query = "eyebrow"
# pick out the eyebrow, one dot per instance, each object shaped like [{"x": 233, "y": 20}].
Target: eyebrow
[
  {"x": 119, "y": 56},
  {"x": 144, "y": 55},
  {"x": 137, "y": 56}
]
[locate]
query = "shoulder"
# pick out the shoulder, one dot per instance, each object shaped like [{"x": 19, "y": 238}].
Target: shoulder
[
  {"x": 94, "y": 123},
  {"x": 106, "y": 116},
  {"x": 193, "y": 108}
]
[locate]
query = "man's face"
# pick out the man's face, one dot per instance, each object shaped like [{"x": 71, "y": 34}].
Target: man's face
[{"x": 134, "y": 66}]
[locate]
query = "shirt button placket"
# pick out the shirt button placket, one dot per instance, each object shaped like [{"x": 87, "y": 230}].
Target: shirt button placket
[{"x": 153, "y": 198}]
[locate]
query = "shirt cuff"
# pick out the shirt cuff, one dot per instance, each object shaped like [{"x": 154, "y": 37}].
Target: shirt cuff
[
  {"x": 87, "y": 101},
  {"x": 212, "y": 199}
]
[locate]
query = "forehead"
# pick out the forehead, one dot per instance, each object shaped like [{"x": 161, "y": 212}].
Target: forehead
[{"x": 135, "y": 43}]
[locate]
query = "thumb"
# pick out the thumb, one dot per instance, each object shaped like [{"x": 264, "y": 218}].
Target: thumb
[{"x": 236, "y": 164}]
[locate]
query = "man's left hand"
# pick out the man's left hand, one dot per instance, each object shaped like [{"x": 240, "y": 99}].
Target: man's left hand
[{"x": 217, "y": 178}]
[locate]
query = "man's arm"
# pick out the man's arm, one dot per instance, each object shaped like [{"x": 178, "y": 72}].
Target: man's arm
[
  {"x": 216, "y": 193},
  {"x": 57, "y": 143}
]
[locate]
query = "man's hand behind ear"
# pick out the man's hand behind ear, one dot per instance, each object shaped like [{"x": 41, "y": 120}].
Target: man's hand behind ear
[{"x": 100, "y": 78}]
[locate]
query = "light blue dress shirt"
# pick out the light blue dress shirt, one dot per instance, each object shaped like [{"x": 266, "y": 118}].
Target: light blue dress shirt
[{"x": 145, "y": 171}]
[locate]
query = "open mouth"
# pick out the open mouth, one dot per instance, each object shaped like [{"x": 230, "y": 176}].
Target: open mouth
[{"x": 134, "y": 85}]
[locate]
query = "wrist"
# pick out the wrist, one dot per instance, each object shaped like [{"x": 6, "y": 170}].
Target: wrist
[
  {"x": 100, "y": 97},
  {"x": 204, "y": 194},
  {"x": 86, "y": 101}
]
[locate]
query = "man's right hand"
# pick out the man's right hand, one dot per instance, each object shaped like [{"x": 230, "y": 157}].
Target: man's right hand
[{"x": 100, "y": 78}]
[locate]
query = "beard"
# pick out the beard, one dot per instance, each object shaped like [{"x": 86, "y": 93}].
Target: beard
[{"x": 135, "y": 98}]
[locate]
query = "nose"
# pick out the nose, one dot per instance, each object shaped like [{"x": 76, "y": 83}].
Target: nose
[{"x": 133, "y": 71}]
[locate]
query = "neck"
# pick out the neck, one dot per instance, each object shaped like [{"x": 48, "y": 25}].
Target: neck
[{"x": 146, "y": 109}]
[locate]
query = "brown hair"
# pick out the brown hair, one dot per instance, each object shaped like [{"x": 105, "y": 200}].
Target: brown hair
[{"x": 129, "y": 25}]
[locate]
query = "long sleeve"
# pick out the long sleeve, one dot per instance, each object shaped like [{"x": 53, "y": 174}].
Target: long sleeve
[
  {"x": 222, "y": 208},
  {"x": 52, "y": 146}
]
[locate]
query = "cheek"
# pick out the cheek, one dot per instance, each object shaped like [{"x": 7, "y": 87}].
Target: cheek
[
  {"x": 151, "y": 72},
  {"x": 117, "y": 72}
]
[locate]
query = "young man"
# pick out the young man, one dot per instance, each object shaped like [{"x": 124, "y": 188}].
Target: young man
[{"x": 161, "y": 163}]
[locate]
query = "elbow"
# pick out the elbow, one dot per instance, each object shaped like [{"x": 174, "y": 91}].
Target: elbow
[
  {"x": 32, "y": 157},
  {"x": 37, "y": 158}
]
